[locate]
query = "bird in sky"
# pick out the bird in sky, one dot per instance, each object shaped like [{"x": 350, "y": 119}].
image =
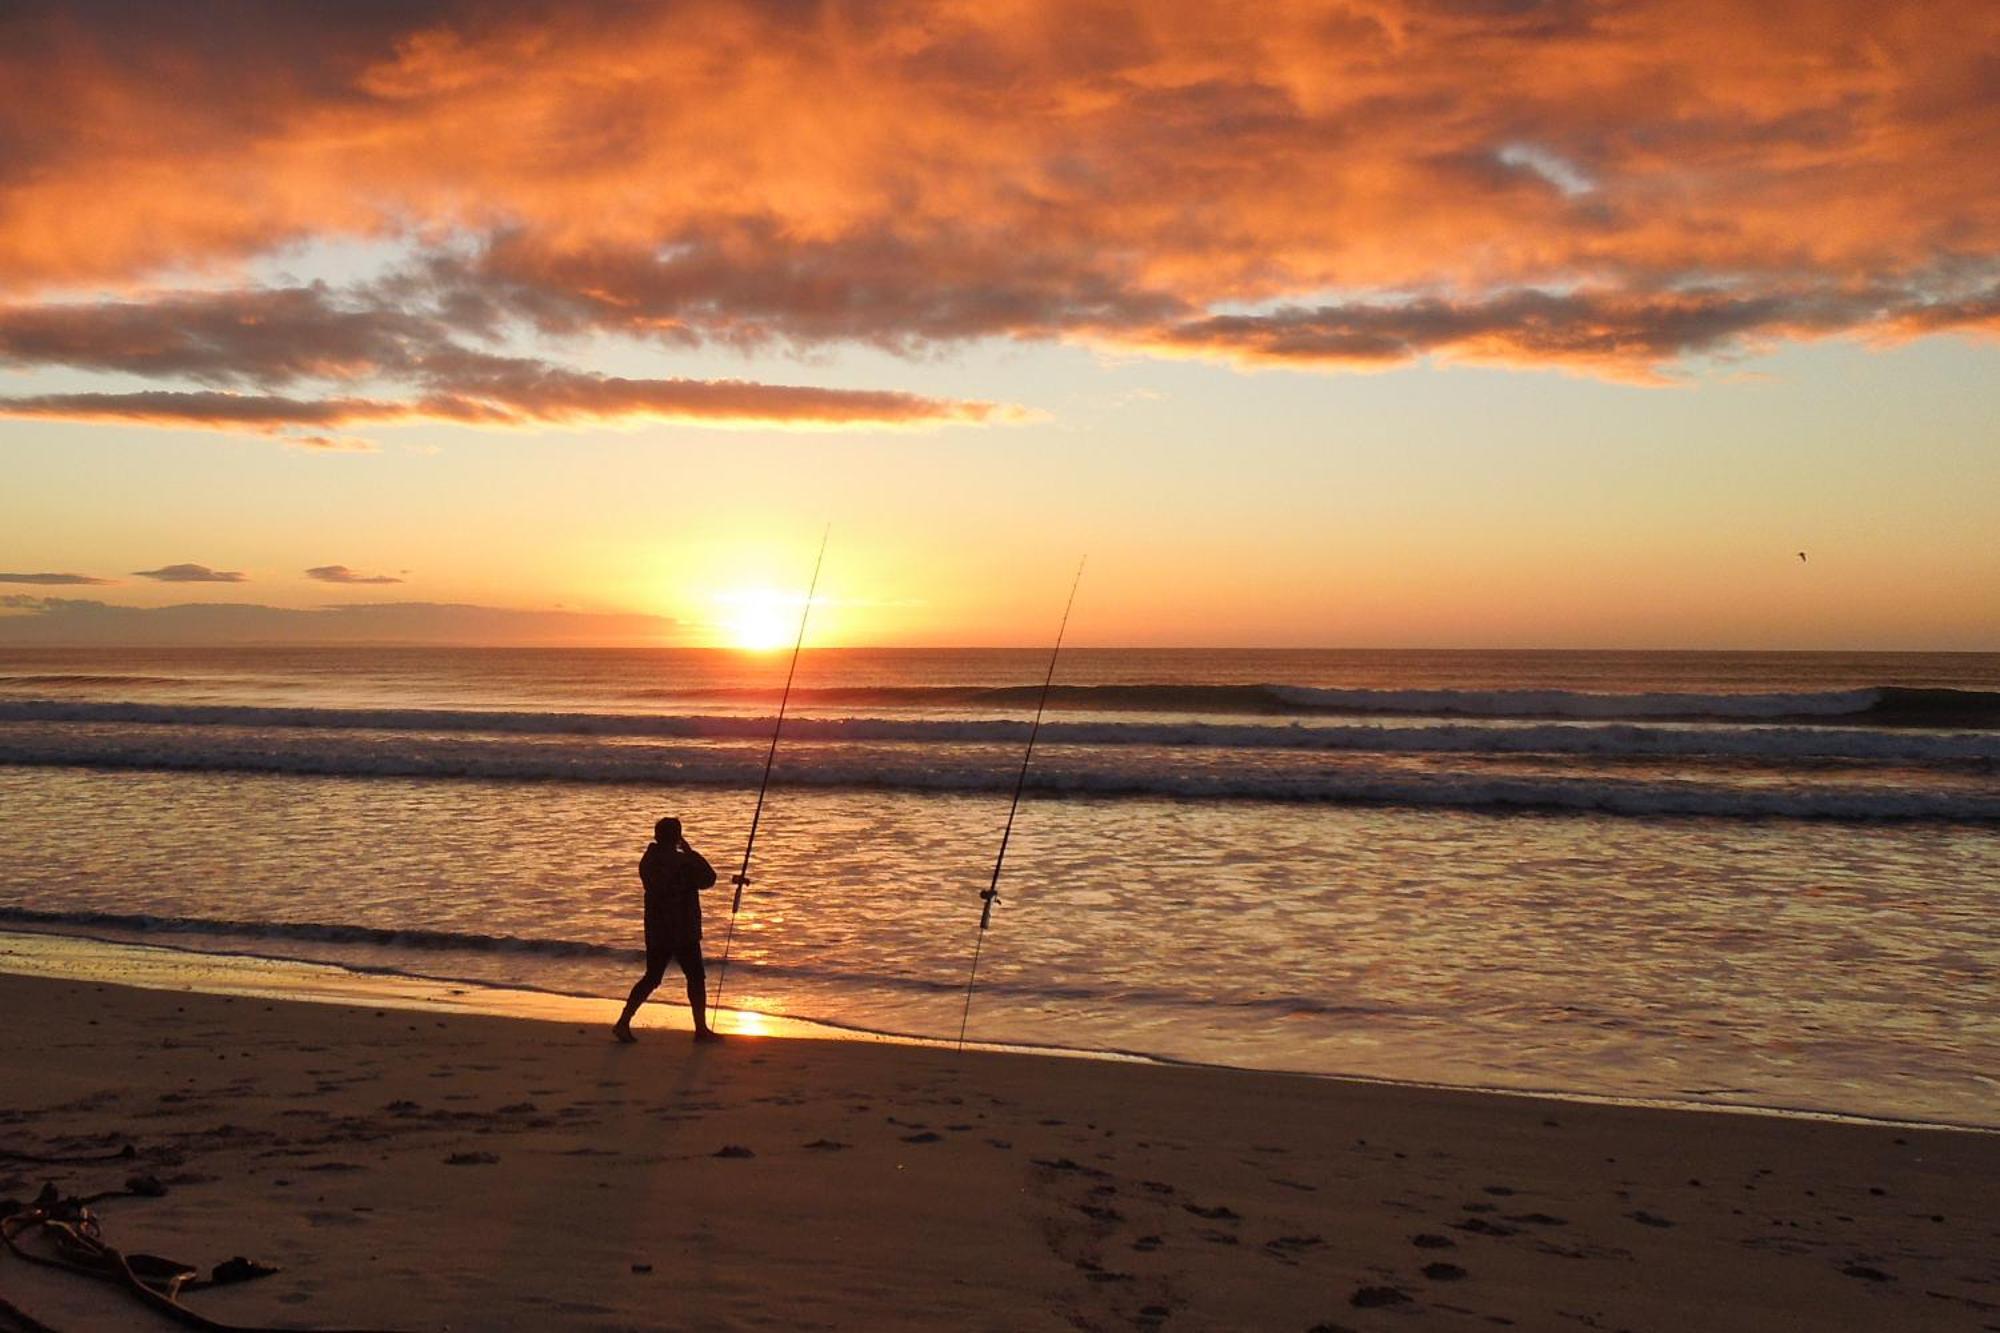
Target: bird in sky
[{"x": 1802, "y": 557}]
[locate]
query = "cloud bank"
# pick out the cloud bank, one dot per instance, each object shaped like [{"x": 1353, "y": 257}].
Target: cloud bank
[{"x": 1603, "y": 186}]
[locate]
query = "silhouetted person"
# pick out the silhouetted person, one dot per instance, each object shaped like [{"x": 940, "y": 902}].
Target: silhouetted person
[{"x": 674, "y": 875}]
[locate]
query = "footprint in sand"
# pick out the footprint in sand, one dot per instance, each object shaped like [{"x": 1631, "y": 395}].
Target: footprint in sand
[
  {"x": 1369, "y": 1298},
  {"x": 1066, "y": 1164},
  {"x": 332, "y": 1219}
]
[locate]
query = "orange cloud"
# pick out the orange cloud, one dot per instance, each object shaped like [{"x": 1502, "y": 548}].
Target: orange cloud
[
  {"x": 1620, "y": 334},
  {"x": 1595, "y": 184}
]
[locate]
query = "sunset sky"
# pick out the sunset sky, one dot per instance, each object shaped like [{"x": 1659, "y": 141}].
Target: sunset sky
[{"x": 1420, "y": 322}]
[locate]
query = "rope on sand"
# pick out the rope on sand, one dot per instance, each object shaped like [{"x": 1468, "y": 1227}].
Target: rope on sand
[{"x": 74, "y": 1233}]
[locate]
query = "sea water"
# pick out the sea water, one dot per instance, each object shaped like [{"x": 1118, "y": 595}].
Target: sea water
[{"x": 1764, "y": 879}]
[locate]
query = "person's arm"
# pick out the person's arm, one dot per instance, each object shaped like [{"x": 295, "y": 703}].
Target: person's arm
[{"x": 700, "y": 873}]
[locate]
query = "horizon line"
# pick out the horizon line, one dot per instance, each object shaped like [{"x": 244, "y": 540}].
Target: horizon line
[{"x": 529, "y": 646}]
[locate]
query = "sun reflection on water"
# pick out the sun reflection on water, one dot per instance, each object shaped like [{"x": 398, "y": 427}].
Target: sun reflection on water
[{"x": 748, "y": 1021}]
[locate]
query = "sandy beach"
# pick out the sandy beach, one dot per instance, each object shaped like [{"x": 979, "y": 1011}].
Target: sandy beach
[{"x": 417, "y": 1170}]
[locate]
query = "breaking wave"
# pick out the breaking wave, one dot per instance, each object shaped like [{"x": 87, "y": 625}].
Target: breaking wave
[
  {"x": 1194, "y": 774},
  {"x": 1883, "y": 705},
  {"x": 1766, "y": 741}
]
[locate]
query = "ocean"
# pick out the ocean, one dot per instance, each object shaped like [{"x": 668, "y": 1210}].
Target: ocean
[{"x": 1756, "y": 879}]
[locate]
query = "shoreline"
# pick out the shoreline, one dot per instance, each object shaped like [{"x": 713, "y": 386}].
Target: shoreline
[
  {"x": 58, "y": 955},
  {"x": 425, "y": 1169}
]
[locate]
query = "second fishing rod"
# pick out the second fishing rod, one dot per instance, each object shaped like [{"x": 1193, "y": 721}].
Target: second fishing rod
[{"x": 991, "y": 893}]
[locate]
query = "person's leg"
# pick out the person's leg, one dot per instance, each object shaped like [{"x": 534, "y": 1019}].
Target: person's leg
[
  {"x": 696, "y": 973},
  {"x": 656, "y": 968}
]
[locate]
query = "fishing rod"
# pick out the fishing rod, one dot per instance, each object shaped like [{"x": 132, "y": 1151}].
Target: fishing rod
[
  {"x": 741, "y": 879},
  {"x": 991, "y": 893}
]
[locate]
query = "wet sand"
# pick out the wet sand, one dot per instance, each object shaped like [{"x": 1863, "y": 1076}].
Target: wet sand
[{"x": 418, "y": 1170}]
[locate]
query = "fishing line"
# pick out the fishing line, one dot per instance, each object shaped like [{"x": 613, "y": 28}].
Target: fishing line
[{"x": 741, "y": 879}]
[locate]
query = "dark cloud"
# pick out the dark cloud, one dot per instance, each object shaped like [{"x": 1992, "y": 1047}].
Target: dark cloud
[
  {"x": 745, "y": 283},
  {"x": 191, "y": 574},
  {"x": 52, "y": 580},
  {"x": 516, "y": 393},
  {"x": 1610, "y": 331},
  {"x": 260, "y": 337},
  {"x": 342, "y": 574},
  {"x": 270, "y": 340},
  {"x": 60, "y": 621}
]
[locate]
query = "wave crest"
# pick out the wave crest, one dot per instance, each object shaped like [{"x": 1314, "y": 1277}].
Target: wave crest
[
  {"x": 1605, "y": 740},
  {"x": 1078, "y": 771}
]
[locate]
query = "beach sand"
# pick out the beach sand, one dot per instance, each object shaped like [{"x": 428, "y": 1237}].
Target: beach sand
[{"x": 418, "y": 1170}]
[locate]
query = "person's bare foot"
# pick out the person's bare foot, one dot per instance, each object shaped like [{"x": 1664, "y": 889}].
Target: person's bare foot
[
  {"x": 707, "y": 1035},
  {"x": 623, "y": 1033}
]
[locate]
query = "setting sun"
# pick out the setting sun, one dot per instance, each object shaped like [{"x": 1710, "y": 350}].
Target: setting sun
[{"x": 758, "y": 619}]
